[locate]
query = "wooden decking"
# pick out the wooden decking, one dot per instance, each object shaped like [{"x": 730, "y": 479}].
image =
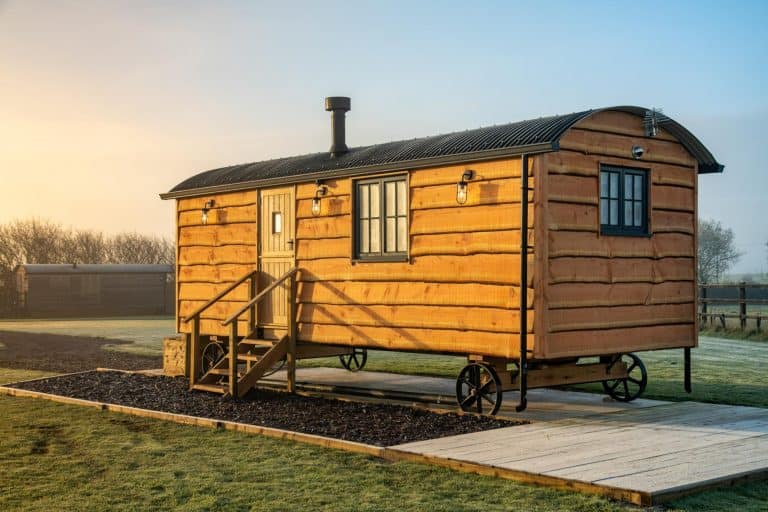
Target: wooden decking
[{"x": 646, "y": 451}]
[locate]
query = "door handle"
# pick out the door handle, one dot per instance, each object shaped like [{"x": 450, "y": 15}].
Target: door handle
[{"x": 290, "y": 243}]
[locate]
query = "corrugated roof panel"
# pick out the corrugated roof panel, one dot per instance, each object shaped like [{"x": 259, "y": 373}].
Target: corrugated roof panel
[{"x": 541, "y": 131}]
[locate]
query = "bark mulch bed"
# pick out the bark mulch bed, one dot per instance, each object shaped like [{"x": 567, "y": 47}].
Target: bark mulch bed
[
  {"x": 66, "y": 354},
  {"x": 365, "y": 422}
]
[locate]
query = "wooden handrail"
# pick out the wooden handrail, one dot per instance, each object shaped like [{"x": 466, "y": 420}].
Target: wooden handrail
[
  {"x": 218, "y": 296},
  {"x": 263, "y": 293}
]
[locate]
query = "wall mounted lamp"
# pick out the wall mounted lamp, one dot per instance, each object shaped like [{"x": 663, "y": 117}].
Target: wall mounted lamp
[
  {"x": 461, "y": 187},
  {"x": 319, "y": 193},
  {"x": 206, "y": 208}
]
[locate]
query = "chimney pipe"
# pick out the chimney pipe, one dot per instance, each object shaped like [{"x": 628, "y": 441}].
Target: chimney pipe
[{"x": 338, "y": 106}]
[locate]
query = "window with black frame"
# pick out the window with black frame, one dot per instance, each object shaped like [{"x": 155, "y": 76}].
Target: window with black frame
[
  {"x": 381, "y": 219},
  {"x": 623, "y": 201}
]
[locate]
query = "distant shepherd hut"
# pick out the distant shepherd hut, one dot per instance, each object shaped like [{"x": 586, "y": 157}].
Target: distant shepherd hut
[{"x": 94, "y": 290}]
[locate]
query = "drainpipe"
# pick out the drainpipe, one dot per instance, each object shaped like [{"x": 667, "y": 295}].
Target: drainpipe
[{"x": 523, "y": 363}]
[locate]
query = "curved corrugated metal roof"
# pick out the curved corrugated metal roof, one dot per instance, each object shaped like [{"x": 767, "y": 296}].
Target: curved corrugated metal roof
[
  {"x": 95, "y": 269},
  {"x": 535, "y": 135}
]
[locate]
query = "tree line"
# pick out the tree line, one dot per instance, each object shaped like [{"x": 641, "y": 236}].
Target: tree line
[{"x": 43, "y": 241}]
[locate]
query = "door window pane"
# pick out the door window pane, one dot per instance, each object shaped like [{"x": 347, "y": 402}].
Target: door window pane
[{"x": 277, "y": 222}]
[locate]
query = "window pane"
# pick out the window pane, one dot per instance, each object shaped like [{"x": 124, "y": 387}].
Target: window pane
[
  {"x": 627, "y": 186},
  {"x": 638, "y": 214},
  {"x": 365, "y": 211},
  {"x": 375, "y": 235},
  {"x": 604, "y": 210},
  {"x": 638, "y": 187},
  {"x": 391, "y": 235},
  {"x": 375, "y": 212},
  {"x": 614, "y": 211},
  {"x": 389, "y": 197},
  {"x": 365, "y": 238},
  {"x": 402, "y": 234},
  {"x": 402, "y": 198},
  {"x": 627, "y": 213},
  {"x": 603, "y": 184},
  {"x": 614, "y": 185}
]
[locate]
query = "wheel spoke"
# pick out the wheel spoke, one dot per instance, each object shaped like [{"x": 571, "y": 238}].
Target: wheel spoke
[
  {"x": 485, "y": 386},
  {"x": 354, "y": 358},
  {"x": 638, "y": 382},
  {"x": 626, "y": 389},
  {"x": 468, "y": 401},
  {"x": 469, "y": 383},
  {"x": 634, "y": 365},
  {"x": 615, "y": 385},
  {"x": 485, "y": 397}
]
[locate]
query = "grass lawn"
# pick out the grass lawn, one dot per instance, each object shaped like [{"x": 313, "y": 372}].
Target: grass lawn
[
  {"x": 62, "y": 457},
  {"x": 146, "y": 333}
]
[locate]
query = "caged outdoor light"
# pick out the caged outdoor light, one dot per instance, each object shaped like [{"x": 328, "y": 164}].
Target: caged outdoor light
[
  {"x": 319, "y": 193},
  {"x": 461, "y": 187},
  {"x": 206, "y": 208}
]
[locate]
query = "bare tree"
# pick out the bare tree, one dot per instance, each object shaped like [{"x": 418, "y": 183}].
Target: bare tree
[
  {"x": 42, "y": 241},
  {"x": 716, "y": 251},
  {"x": 137, "y": 248}
]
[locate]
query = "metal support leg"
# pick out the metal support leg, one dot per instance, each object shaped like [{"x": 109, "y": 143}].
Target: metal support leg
[{"x": 687, "y": 364}]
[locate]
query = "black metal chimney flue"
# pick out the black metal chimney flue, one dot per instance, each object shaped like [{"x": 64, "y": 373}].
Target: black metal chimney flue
[{"x": 338, "y": 106}]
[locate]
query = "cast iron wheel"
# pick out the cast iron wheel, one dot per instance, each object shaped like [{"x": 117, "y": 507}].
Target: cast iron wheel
[
  {"x": 275, "y": 368},
  {"x": 355, "y": 361},
  {"x": 626, "y": 390},
  {"x": 212, "y": 354},
  {"x": 478, "y": 383}
]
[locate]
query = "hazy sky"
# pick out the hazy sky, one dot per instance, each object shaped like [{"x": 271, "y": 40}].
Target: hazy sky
[{"x": 103, "y": 105}]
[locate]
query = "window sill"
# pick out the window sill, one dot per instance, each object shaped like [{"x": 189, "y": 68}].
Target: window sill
[{"x": 400, "y": 258}]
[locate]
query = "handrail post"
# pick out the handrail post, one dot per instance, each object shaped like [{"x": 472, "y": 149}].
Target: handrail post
[
  {"x": 252, "y": 290},
  {"x": 194, "y": 343},
  {"x": 291, "y": 354},
  {"x": 743, "y": 305},
  {"x": 233, "y": 360}
]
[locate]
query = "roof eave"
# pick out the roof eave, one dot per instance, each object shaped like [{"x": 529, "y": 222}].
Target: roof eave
[{"x": 477, "y": 156}]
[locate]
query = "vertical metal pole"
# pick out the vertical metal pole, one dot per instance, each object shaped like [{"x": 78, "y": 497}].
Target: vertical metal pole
[
  {"x": 523, "y": 376},
  {"x": 252, "y": 290},
  {"x": 291, "y": 354},
  {"x": 703, "y": 297},
  {"x": 743, "y": 305},
  {"x": 233, "y": 359},
  {"x": 194, "y": 343},
  {"x": 687, "y": 370}
]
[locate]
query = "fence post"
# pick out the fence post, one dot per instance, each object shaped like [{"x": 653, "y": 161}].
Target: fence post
[{"x": 743, "y": 305}]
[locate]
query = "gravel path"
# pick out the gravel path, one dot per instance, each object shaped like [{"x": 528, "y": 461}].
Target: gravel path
[{"x": 365, "y": 422}]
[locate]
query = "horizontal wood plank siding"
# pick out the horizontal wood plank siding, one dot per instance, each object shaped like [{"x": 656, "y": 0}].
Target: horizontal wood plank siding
[
  {"x": 611, "y": 294},
  {"x": 457, "y": 293},
  {"x": 213, "y": 255}
]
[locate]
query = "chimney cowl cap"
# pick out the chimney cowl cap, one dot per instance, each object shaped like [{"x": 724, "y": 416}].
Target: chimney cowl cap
[{"x": 338, "y": 103}]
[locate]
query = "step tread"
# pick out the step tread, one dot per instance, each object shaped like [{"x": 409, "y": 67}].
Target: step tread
[
  {"x": 258, "y": 342},
  {"x": 222, "y": 371},
  {"x": 249, "y": 357},
  {"x": 213, "y": 388}
]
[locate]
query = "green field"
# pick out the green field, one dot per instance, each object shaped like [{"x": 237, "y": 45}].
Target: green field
[
  {"x": 61, "y": 457},
  {"x": 146, "y": 333}
]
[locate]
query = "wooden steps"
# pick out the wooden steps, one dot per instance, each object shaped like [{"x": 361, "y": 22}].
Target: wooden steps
[{"x": 259, "y": 356}]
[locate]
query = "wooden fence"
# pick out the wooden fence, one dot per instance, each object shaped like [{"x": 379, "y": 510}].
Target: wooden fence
[{"x": 740, "y": 301}]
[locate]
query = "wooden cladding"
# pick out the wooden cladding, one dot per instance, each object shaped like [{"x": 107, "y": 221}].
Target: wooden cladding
[
  {"x": 462, "y": 273},
  {"x": 608, "y": 293},
  {"x": 212, "y": 255}
]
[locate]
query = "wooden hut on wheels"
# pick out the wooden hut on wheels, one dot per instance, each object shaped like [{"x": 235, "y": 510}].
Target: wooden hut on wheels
[{"x": 545, "y": 251}]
